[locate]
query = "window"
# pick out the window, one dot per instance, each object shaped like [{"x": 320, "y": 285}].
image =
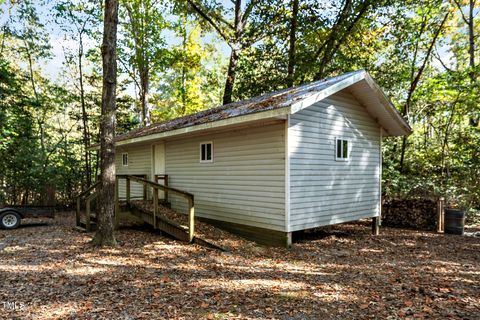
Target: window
[
  {"x": 206, "y": 152},
  {"x": 342, "y": 151},
  {"x": 125, "y": 159}
]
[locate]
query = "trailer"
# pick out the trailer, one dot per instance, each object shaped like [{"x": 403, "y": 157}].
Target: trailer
[{"x": 11, "y": 216}]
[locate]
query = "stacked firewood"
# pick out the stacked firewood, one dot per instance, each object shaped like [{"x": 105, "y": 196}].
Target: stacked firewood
[{"x": 420, "y": 214}]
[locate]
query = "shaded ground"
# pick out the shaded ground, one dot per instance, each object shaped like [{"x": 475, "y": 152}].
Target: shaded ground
[{"x": 52, "y": 272}]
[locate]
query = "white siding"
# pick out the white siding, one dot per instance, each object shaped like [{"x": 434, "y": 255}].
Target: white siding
[
  {"x": 324, "y": 191},
  {"x": 139, "y": 162},
  {"x": 246, "y": 182}
]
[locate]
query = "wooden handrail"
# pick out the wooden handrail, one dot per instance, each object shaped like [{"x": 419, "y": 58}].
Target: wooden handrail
[
  {"x": 125, "y": 176},
  {"x": 84, "y": 193},
  {"x": 156, "y": 185},
  {"x": 88, "y": 200},
  {"x": 88, "y": 196},
  {"x": 91, "y": 197}
]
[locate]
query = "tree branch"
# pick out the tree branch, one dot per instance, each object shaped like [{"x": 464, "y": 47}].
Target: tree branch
[
  {"x": 459, "y": 6},
  {"x": 415, "y": 81},
  {"x": 342, "y": 15},
  {"x": 437, "y": 56},
  {"x": 248, "y": 10},
  {"x": 196, "y": 7}
]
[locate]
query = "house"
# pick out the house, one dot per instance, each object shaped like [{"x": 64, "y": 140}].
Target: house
[{"x": 265, "y": 167}]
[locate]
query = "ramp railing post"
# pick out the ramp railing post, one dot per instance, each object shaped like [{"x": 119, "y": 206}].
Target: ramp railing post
[
  {"x": 77, "y": 213},
  {"x": 127, "y": 186},
  {"x": 191, "y": 218},
  {"x": 87, "y": 215},
  {"x": 166, "y": 189},
  {"x": 117, "y": 203},
  {"x": 375, "y": 226},
  {"x": 440, "y": 214},
  {"x": 144, "y": 189},
  {"x": 155, "y": 207}
]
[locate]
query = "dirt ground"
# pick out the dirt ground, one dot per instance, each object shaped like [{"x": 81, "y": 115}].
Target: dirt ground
[{"x": 50, "y": 271}]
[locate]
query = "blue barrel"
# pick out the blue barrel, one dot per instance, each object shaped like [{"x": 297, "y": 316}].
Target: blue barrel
[{"x": 454, "y": 221}]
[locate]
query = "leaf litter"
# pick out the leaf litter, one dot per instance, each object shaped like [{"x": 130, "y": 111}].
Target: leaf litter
[{"x": 50, "y": 271}]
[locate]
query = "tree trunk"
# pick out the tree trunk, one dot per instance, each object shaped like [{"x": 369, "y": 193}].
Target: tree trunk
[
  {"x": 471, "y": 40},
  {"x": 144, "y": 88},
  {"x": 141, "y": 56},
  {"x": 232, "y": 69},
  {"x": 184, "y": 67},
  {"x": 2, "y": 44},
  {"x": 105, "y": 216},
  {"x": 293, "y": 41},
  {"x": 474, "y": 120},
  {"x": 41, "y": 121},
  {"x": 232, "y": 65},
  {"x": 86, "y": 134}
]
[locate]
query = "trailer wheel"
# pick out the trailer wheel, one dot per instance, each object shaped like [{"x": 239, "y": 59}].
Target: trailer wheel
[{"x": 10, "y": 220}]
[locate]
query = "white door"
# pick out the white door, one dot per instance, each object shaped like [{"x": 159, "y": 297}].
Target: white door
[{"x": 159, "y": 163}]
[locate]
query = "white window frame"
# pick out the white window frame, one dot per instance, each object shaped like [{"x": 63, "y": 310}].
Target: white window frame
[
  {"x": 349, "y": 149},
  {"x": 200, "y": 149},
  {"x": 125, "y": 156}
]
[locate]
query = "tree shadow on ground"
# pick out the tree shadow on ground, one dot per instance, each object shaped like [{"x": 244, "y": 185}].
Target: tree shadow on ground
[
  {"x": 398, "y": 274},
  {"x": 32, "y": 224}
]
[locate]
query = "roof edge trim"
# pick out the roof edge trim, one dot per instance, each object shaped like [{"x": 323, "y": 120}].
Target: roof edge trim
[
  {"x": 305, "y": 103},
  {"x": 206, "y": 126},
  {"x": 385, "y": 101}
]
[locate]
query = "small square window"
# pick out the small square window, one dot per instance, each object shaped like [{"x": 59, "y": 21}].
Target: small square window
[
  {"x": 125, "y": 159},
  {"x": 342, "y": 151},
  {"x": 206, "y": 152}
]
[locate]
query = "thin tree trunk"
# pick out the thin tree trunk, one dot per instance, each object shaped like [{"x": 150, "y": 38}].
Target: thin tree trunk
[
  {"x": 325, "y": 50},
  {"x": 293, "y": 41},
  {"x": 414, "y": 84},
  {"x": 141, "y": 46},
  {"x": 86, "y": 134},
  {"x": 469, "y": 20},
  {"x": 445, "y": 138},
  {"x": 471, "y": 40},
  {"x": 235, "y": 41},
  {"x": 184, "y": 67},
  {"x": 2, "y": 44},
  {"x": 445, "y": 168},
  {"x": 339, "y": 33},
  {"x": 41, "y": 121},
  {"x": 144, "y": 84},
  {"x": 105, "y": 217},
  {"x": 474, "y": 120},
  {"x": 37, "y": 100},
  {"x": 30, "y": 68}
]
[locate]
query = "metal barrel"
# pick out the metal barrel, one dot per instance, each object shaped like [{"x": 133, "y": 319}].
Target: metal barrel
[{"x": 454, "y": 221}]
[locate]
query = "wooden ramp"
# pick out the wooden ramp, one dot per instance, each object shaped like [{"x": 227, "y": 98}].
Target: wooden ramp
[
  {"x": 145, "y": 215},
  {"x": 159, "y": 221},
  {"x": 149, "y": 209},
  {"x": 143, "y": 211}
]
